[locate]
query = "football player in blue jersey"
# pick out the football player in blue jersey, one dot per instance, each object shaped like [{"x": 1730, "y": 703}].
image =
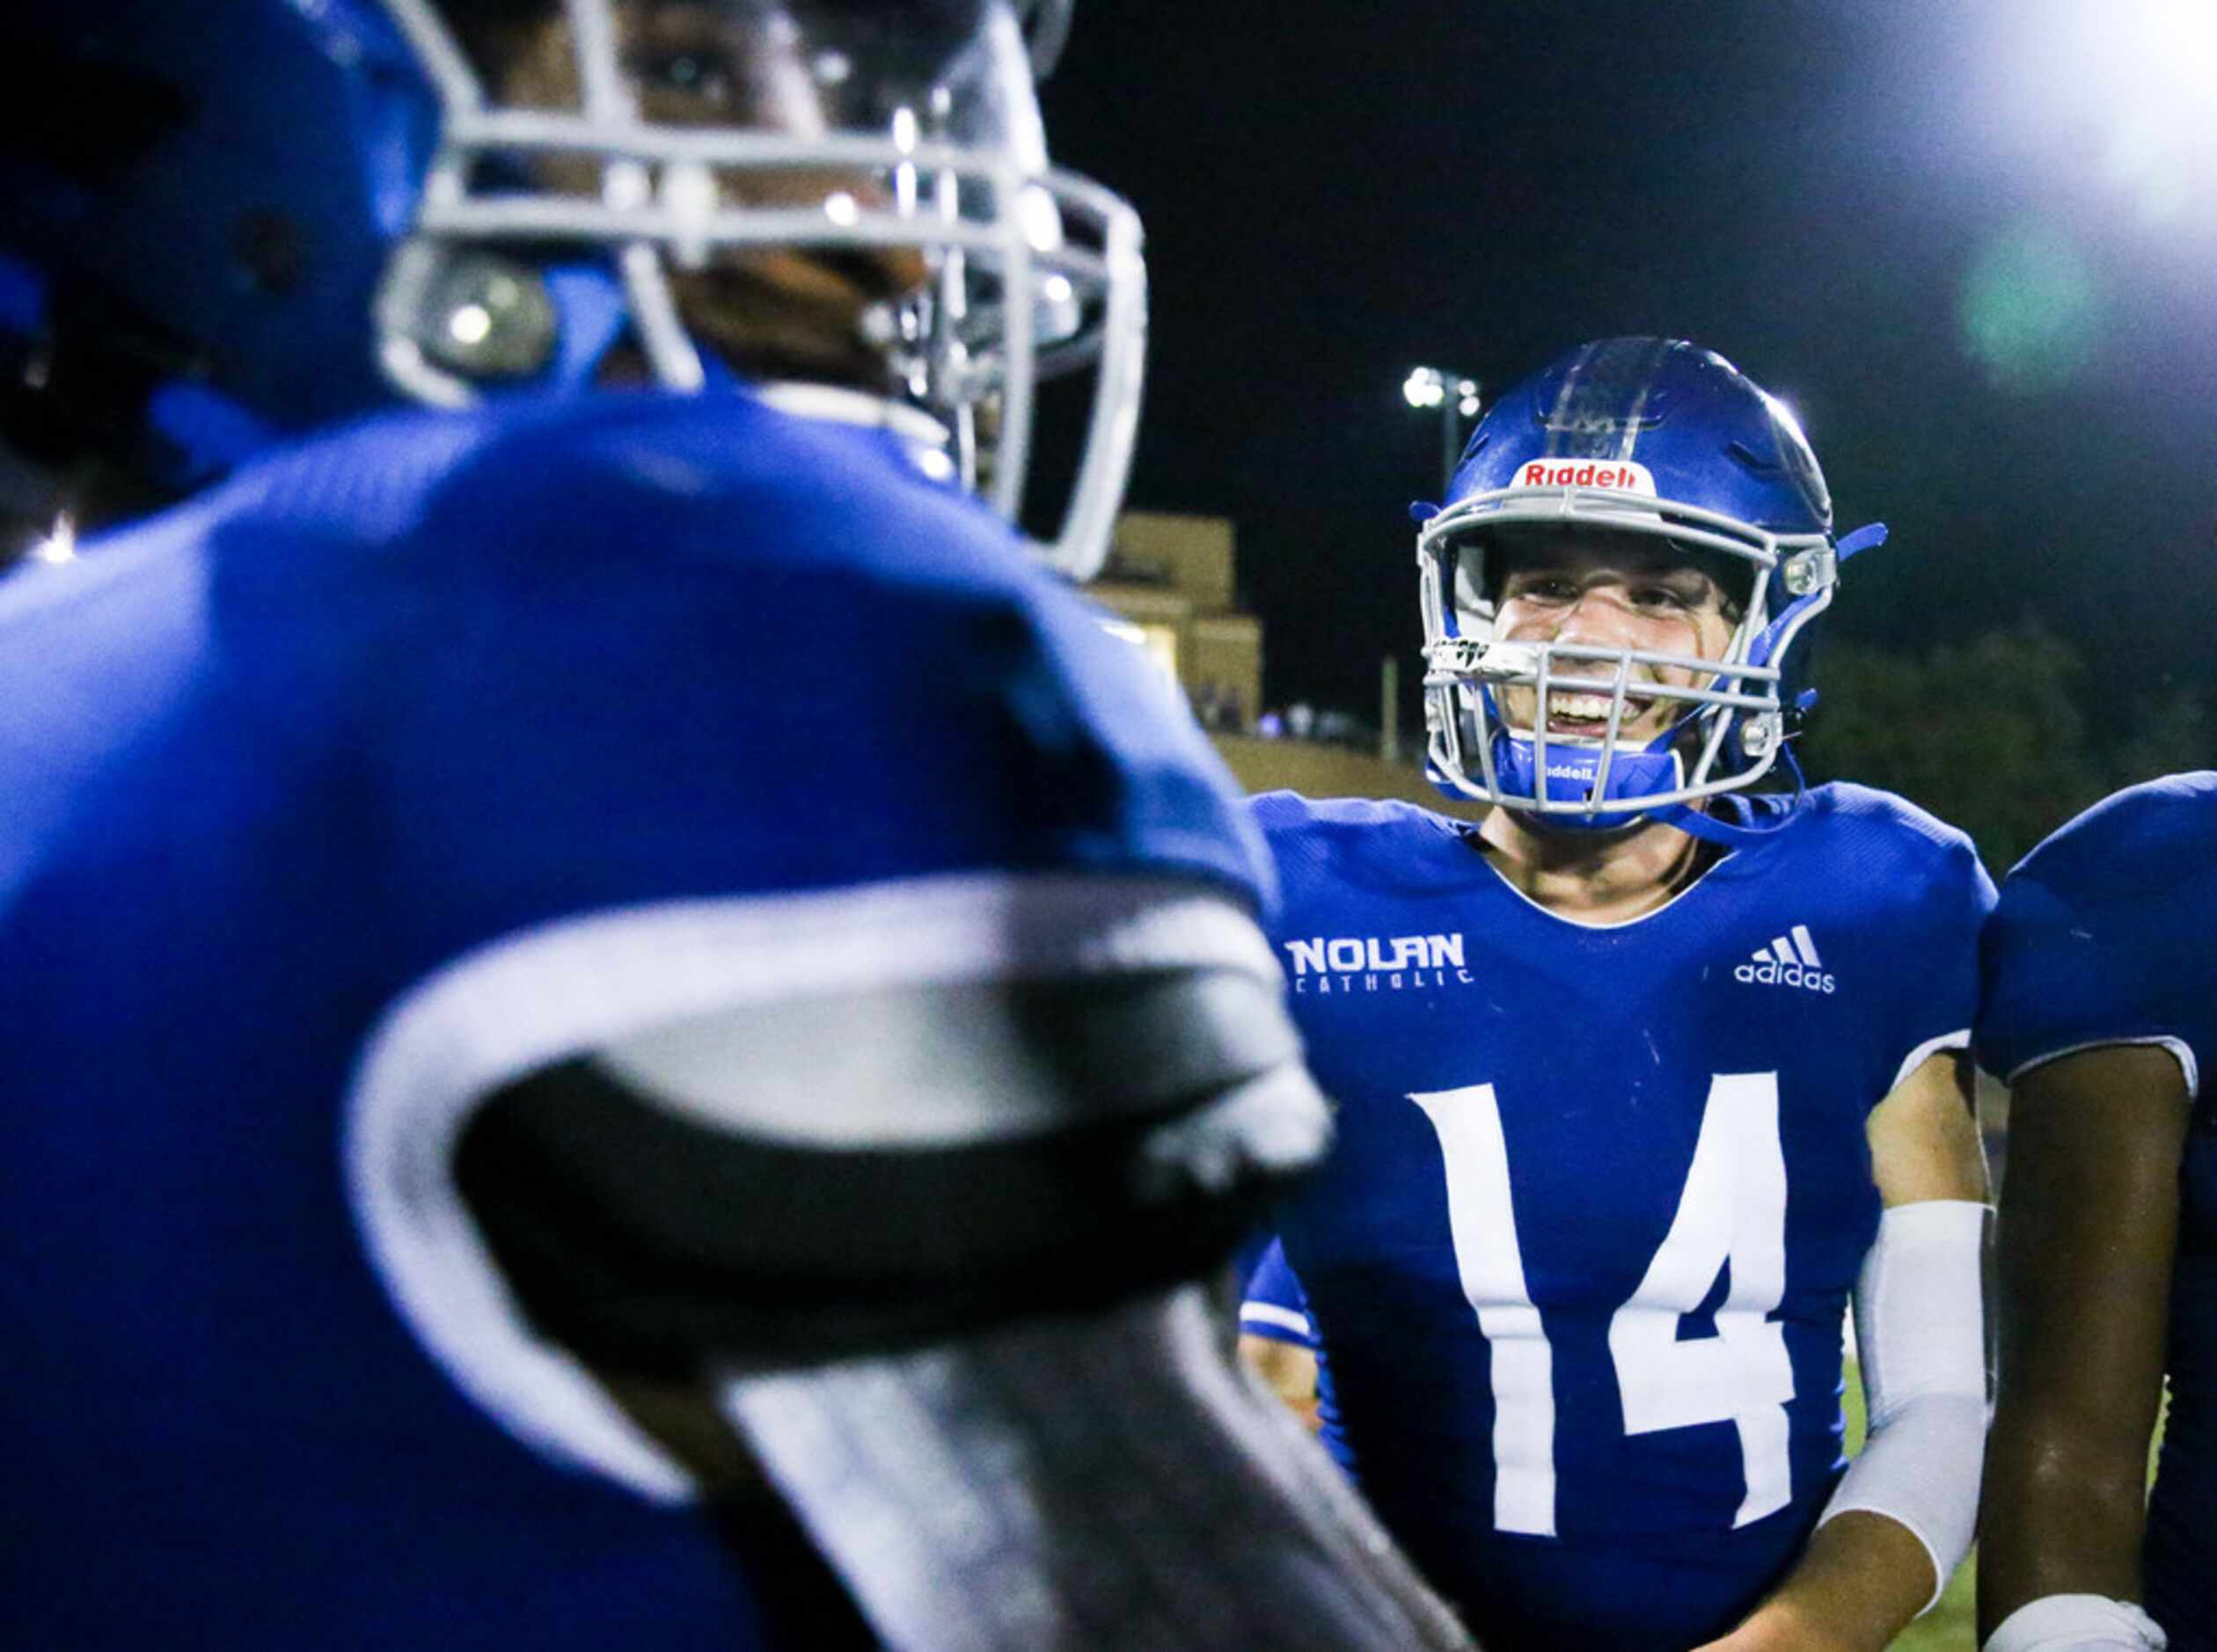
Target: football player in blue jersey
[
  {"x": 2101, "y": 1011},
  {"x": 581, "y": 953},
  {"x": 1639, "y": 1078}
]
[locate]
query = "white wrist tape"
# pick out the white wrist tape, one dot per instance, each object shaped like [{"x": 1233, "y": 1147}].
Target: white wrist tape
[
  {"x": 1920, "y": 1337},
  {"x": 2077, "y": 1623}
]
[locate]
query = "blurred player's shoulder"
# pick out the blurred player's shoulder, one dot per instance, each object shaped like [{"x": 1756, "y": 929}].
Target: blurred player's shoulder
[
  {"x": 325, "y": 559},
  {"x": 2102, "y": 935},
  {"x": 2103, "y": 930},
  {"x": 539, "y": 476},
  {"x": 500, "y": 621},
  {"x": 813, "y": 490},
  {"x": 2142, "y": 839}
]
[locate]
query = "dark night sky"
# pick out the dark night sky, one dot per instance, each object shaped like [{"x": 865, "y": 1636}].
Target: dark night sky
[{"x": 1826, "y": 193}]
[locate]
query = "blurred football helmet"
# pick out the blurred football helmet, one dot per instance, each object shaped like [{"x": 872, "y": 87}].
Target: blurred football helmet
[
  {"x": 320, "y": 202},
  {"x": 1650, "y": 436}
]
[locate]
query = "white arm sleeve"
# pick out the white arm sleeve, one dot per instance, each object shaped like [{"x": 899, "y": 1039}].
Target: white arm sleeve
[{"x": 1921, "y": 1334}]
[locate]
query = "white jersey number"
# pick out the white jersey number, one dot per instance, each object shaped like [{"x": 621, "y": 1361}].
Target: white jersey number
[{"x": 1732, "y": 1208}]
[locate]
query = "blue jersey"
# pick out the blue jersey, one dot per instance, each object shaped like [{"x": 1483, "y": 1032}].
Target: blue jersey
[
  {"x": 273, "y": 761},
  {"x": 1579, "y": 1259},
  {"x": 1272, "y": 1304},
  {"x": 2104, "y": 937}
]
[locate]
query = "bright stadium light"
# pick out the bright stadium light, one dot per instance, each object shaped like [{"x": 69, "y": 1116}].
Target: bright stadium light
[
  {"x": 1425, "y": 387},
  {"x": 1456, "y": 395},
  {"x": 2160, "y": 59},
  {"x": 2135, "y": 82},
  {"x": 2115, "y": 107},
  {"x": 2174, "y": 51}
]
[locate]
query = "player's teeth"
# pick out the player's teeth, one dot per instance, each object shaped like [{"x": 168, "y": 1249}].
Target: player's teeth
[{"x": 1594, "y": 706}]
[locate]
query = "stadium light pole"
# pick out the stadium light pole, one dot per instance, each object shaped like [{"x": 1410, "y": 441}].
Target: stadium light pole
[{"x": 1456, "y": 395}]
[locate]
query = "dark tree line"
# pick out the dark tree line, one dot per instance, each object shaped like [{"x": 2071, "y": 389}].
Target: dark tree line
[{"x": 2001, "y": 735}]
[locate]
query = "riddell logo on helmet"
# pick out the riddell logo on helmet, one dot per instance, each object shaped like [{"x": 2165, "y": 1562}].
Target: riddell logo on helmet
[{"x": 1621, "y": 475}]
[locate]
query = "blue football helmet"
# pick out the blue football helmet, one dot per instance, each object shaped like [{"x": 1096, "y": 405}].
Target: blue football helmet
[
  {"x": 1650, "y": 436},
  {"x": 313, "y": 206}
]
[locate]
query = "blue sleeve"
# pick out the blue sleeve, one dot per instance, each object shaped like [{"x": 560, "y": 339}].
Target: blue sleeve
[
  {"x": 1922, "y": 897},
  {"x": 1274, "y": 1304},
  {"x": 2103, "y": 932},
  {"x": 1943, "y": 939}
]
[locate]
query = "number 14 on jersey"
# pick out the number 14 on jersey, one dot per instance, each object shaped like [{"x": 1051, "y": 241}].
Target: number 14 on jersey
[{"x": 1732, "y": 1208}]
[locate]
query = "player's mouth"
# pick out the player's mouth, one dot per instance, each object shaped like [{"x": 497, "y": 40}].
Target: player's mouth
[
  {"x": 1586, "y": 716},
  {"x": 780, "y": 313}
]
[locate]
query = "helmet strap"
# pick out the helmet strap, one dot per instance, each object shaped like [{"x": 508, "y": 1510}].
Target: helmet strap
[
  {"x": 589, "y": 299},
  {"x": 1758, "y": 652},
  {"x": 1745, "y": 834}
]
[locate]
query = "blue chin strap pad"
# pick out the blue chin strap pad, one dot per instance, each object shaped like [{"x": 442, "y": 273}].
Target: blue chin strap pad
[
  {"x": 594, "y": 318},
  {"x": 593, "y": 315},
  {"x": 207, "y": 434},
  {"x": 1633, "y": 775}
]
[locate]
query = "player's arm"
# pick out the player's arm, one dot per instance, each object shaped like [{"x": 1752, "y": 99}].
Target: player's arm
[
  {"x": 1903, "y": 1516},
  {"x": 1287, "y": 1370},
  {"x": 2088, "y": 1225},
  {"x": 1278, "y": 1339}
]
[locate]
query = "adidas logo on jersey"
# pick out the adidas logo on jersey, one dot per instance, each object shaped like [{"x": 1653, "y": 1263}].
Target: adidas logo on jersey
[{"x": 1790, "y": 960}]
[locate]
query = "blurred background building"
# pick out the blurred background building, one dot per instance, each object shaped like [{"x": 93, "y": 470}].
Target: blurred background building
[{"x": 1174, "y": 578}]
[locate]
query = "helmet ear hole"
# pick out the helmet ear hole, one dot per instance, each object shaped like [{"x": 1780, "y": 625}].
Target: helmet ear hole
[{"x": 470, "y": 312}]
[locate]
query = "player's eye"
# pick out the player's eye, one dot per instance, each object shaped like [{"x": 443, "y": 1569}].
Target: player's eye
[
  {"x": 694, "y": 78},
  {"x": 1672, "y": 598},
  {"x": 1542, "y": 588}
]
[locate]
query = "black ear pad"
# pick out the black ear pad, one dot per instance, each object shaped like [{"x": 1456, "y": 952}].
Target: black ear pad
[
  {"x": 1468, "y": 729},
  {"x": 648, "y": 1239}
]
